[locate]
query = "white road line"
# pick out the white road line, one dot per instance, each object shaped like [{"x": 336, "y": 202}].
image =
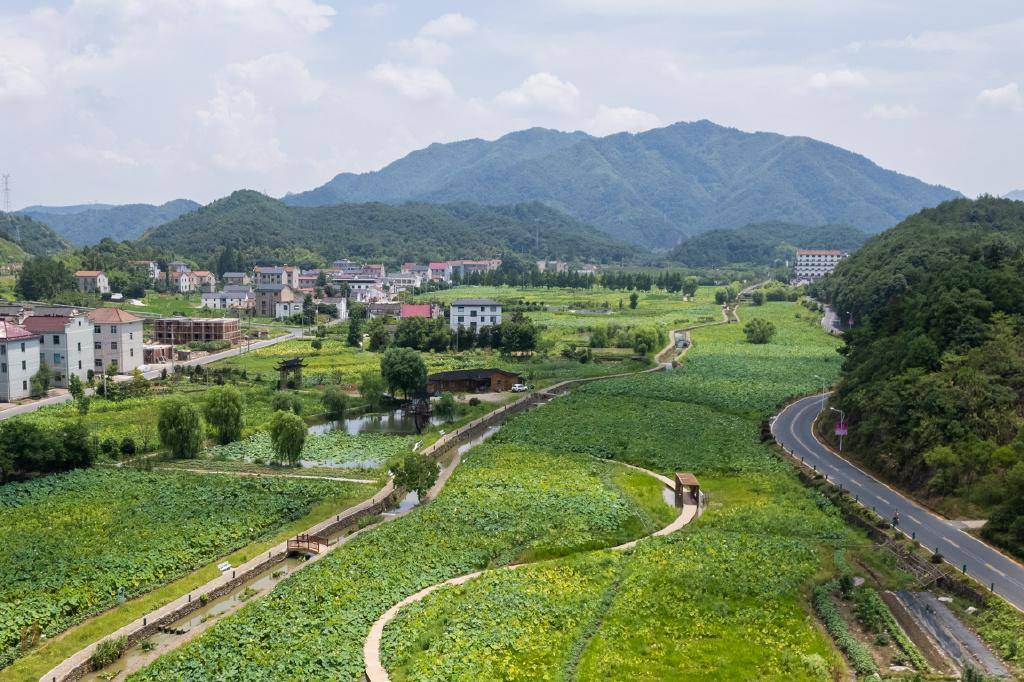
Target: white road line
[
  {"x": 987, "y": 564},
  {"x": 913, "y": 519},
  {"x": 952, "y": 543}
]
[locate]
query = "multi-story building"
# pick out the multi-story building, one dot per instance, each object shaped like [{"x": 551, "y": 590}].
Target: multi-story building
[
  {"x": 19, "y": 361},
  {"x": 340, "y": 303},
  {"x": 473, "y": 313},
  {"x": 422, "y": 271},
  {"x": 346, "y": 267},
  {"x": 813, "y": 264},
  {"x": 235, "y": 279},
  {"x": 65, "y": 345},
  {"x": 554, "y": 266},
  {"x": 204, "y": 281},
  {"x": 181, "y": 330},
  {"x": 402, "y": 281},
  {"x": 285, "y": 274},
  {"x": 269, "y": 295},
  {"x": 117, "y": 340},
  {"x": 151, "y": 266},
  {"x": 178, "y": 266},
  {"x": 440, "y": 271},
  {"x": 461, "y": 268},
  {"x": 180, "y": 282},
  {"x": 233, "y": 297},
  {"x": 92, "y": 281},
  {"x": 284, "y": 309},
  {"x": 373, "y": 271}
]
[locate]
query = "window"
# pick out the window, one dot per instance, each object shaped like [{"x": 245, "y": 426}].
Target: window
[
  {"x": 79, "y": 364},
  {"x": 56, "y": 358},
  {"x": 97, "y": 362},
  {"x": 22, "y": 346},
  {"x": 97, "y": 330},
  {"x": 131, "y": 352},
  {"x": 472, "y": 313},
  {"x": 3, "y": 350},
  {"x": 113, "y": 345},
  {"x": 97, "y": 346},
  {"x": 24, "y": 385},
  {"x": 56, "y": 340},
  {"x": 113, "y": 329},
  {"x": 42, "y": 340},
  {"x": 3, "y": 367},
  {"x": 131, "y": 335},
  {"x": 23, "y": 365},
  {"x": 461, "y": 319}
]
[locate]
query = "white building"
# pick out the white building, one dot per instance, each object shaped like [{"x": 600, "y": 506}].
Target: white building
[
  {"x": 340, "y": 303},
  {"x": 117, "y": 340},
  {"x": 403, "y": 281},
  {"x": 285, "y": 274},
  {"x": 92, "y": 282},
  {"x": 65, "y": 344},
  {"x": 473, "y": 313},
  {"x": 812, "y": 264},
  {"x": 283, "y": 309},
  {"x": 232, "y": 297},
  {"x": 19, "y": 360}
]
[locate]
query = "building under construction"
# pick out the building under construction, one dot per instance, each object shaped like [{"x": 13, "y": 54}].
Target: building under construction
[{"x": 182, "y": 330}]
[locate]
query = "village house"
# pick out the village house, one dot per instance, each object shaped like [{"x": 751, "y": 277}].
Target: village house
[
  {"x": 19, "y": 361},
  {"x": 284, "y": 274},
  {"x": 117, "y": 340},
  {"x": 473, "y": 313},
  {"x": 340, "y": 303},
  {"x": 204, "y": 281},
  {"x": 232, "y": 297},
  {"x": 427, "y": 310},
  {"x": 346, "y": 267},
  {"x": 307, "y": 279},
  {"x": 403, "y": 281},
  {"x": 237, "y": 279},
  {"x": 383, "y": 309},
  {"x": 285, "y": 309},
  {"x": 151, "y": 266},
  {"x": 181, "y": 330},
  {"x": 65, "y": 345},
  {"x": 373, "y": 271},
  {"x": 180, "y": 282},
  {"x": 552, "y": 266},
  {"x": 422, "y": 271},
  {"x": 461, "y": 268},
  {"x": 440, "y": 271},
  {"x": 92, "y": 282},
  {"x": 490, "y": 380},
  {"x": 178, "y": 266},
  {"x": 269, "y": 295}
]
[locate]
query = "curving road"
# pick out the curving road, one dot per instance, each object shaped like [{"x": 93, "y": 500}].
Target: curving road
[{"x": 793, "y": 430}]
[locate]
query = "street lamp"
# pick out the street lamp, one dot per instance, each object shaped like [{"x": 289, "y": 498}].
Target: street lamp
[
  {"x": 823, "y": 384},
  {"x": 842, "y": 420}
]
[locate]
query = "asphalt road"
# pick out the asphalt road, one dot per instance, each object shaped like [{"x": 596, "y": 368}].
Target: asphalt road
[{"x": 793, "y": 429}]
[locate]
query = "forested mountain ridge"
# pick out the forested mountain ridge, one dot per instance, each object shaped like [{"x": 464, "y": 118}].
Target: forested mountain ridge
[
  {"x": 770, "y": 243},
  {"x": 90, "y": 223},
  {"x": 650, "y": 188},
  {"x": 260, "y": 228},
  {"x": 933, "y": 382},
  {"x": 1017, "y": 194},
  {"x": 31, "y": 235}
]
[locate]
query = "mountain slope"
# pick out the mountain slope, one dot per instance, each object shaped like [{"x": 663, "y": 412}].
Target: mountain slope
[
  {"x": 763, "y": 243},
  {"x": 31, "y": 235},
  {"x": 653, "y": 187},
  {"x": 90, "y": 223},
  {"x": 1017, "y": 195},
  {"x": 261, "y": 228}
]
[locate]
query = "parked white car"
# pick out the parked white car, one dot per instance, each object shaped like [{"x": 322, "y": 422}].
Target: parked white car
[{"x": 519, "y": 388}]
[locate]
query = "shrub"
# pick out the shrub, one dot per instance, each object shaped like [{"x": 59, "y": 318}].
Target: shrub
[
  {"x": 335, "y": 402},
  {"x": 127, "y": 446},
  {"x": 759, "y": 331},
  {"x": 108, "y": 651}
]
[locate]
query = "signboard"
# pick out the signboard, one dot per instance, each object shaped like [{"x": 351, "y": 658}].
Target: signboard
[{"x": 842, "y": 428}]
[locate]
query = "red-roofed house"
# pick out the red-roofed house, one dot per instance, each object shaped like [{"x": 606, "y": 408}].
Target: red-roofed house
[
  {"x": 117, "y": 339},
  {"x": 180, "y": 282},
  {"x": 418, "y": 310},
  {"x": 19, "y": 360},
  {"x": 440, "y": 271},
  {"x": 92, "y": 281},
  {"x": 204, "y": 281}
]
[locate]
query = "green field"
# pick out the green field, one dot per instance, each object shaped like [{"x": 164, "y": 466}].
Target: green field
[
  {"x": 72, "y": 542},
  {"x": 723, "y": 599},
  {"x": 502, "y": 504}
]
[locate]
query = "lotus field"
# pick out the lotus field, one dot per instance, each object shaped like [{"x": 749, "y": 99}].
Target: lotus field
[{"x": 76, "y": 543}]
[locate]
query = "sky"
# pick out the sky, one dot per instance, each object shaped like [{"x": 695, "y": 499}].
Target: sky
[{"x": 123, "y": 101}]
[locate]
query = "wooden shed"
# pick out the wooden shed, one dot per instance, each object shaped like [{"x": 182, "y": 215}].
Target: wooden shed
[
  {"x": 687, "y": 489},
  {"x": 472, "y": 381}
]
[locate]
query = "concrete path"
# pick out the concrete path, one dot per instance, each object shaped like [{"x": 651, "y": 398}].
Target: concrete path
[
  {"x": 375, "y": 671},
  {"x": 793, "y": 429}
]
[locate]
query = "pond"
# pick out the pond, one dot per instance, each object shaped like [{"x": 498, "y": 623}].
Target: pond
[{"x": 396, "y": 422}]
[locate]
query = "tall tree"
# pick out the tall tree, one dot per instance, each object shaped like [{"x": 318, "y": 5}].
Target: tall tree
[
  {"x": 44, "y": 278},
  {"x": 223, "y": 411},
  {"x": 287, "y": 435},
  {"x": 403, "y": 370},
  {"x": 180, "y": 428}
]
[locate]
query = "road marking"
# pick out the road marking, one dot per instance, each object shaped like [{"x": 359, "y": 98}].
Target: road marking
[
  {"x": 952, "y": 543},
  {"x": 995, "y": 569},
  {"x": 856, "y": 482},
  {"x": 912, "y": 518}
]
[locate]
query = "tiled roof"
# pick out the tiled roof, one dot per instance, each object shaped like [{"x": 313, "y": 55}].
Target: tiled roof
[
  {"x": 110, "y": 315},
  {"x": 474, "y": 301},
  {"x": 88, "y": 273},
  {"x": 10, "y": 331},
  {"x": 40, "y": 324},
  {"x": 415, "y": 310},
  {"x": 819, "y": 252}
]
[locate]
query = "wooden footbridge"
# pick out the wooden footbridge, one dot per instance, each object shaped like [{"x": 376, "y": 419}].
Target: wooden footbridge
[{"x": 307, "y": 544}]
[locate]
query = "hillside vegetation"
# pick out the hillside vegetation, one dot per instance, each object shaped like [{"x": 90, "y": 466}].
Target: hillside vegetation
[
  {"x": 261, "y": 228},
  {"x": 934, "y": 377},
  {"x": 89, "y": 223},
  {"x": 653, "y": 187},
  {"x": 31, "y": 235},
  {"x": 763, "y": 244}
]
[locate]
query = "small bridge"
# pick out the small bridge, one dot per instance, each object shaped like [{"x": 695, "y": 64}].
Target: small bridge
[{"x": 307, "y": 545}]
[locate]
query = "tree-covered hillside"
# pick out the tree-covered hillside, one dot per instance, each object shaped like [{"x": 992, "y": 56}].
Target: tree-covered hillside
[
  {"x": 933, "y": 381},
  {"x": 263, "y": 229},
  {"x": 650, "y": 188},
  {"x": 771, "y": 243},
  {"x": 34, "y": 237},
  {"x": 89, "y": 224},
  {"x": 1017, "y": 195}
]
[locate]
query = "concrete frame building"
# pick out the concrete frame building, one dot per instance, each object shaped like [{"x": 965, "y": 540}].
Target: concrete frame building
[
  {"x": 65, "y": 345},
  {"x": 474, "y": 313}
]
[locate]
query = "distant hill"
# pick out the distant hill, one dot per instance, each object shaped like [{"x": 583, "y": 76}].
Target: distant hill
[
  {"x": 763, "y": 243},
  {"x": 1017, "y": 194},
  {"x": 11, "y": 252},
  {"x": 262, "y": 228},
  {"x": 650, "y": 188},
  {"x": 31, "y": 235},
  {"x": 89, "y": 223}
]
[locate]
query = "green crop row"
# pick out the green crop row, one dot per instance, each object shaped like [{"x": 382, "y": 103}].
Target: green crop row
[
  {"x": 824, "y": 604},
  {"x": 76, "y": 543}
]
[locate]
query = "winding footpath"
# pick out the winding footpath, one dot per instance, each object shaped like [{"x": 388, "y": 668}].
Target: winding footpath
[{"x": 793, "y": 429}]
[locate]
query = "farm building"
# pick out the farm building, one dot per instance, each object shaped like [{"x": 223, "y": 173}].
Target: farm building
[{"x": 472, "y": 381}]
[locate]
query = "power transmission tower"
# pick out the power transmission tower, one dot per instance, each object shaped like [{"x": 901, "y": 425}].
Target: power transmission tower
[{"x": 7, "y": 206}]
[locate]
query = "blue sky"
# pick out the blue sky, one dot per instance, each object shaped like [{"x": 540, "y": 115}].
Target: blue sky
[{"x": 148, "y": 100}]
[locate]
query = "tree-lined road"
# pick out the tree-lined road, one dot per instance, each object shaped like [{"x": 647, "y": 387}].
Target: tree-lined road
[{"x": 794, "y": 430}]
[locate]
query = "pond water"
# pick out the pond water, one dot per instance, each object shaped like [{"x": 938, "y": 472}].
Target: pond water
[{"x": 396, "y": 422}]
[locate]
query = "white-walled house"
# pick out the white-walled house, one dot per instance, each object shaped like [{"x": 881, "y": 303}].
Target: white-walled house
[
  {"x": 65, "y": 344},
  {"x": 233, "y": 296},
  {"x": 92, "y": 282},
  {"x": 474, "y": 313},
  {"x": 19, "y": 360},
  {"x": 117, "y": 340},
  {"x": 283, "y": 309}
]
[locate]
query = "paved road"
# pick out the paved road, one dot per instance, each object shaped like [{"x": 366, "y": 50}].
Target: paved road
[
  {"x": 64, "y": 397},
  {"x": 830, "y": 321},
  {"x": 793, "y": 430}
]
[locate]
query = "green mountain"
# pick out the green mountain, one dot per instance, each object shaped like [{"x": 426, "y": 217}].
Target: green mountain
[
  {"x": 650, "y": 188},
  {"x": 1017, "y": 195},
  {"x": 261, "y": 228},
  {"x": 11, "y": 252},
  {"x": 933, "y": 382},
  {"x": 89, "y": 223},
  {"x": 31, "y": 235},
  {"x": 763, "y": 244}
]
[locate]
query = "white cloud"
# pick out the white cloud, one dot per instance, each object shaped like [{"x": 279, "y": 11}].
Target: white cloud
[
  {"x": 426, "y": 50},
  {"x": 283, "y": 74},
  {"x": 453, "y": 25},
  {"x": 415, "y": 82},
  {"x": 106, "y": 156},
  {"x": 698, "y": 7},
  {"x": 242, "y": 132},
  {"x": 541, "y": 91},
  {"x": 377, "y": 10},
  {"x": 839, "y": 78},
  {"x": 608, "y": 120},
  {"x": 893, "y": 112},
  {"x": 1008, "y": 96},
  {"x": 307, "y": 16}
]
